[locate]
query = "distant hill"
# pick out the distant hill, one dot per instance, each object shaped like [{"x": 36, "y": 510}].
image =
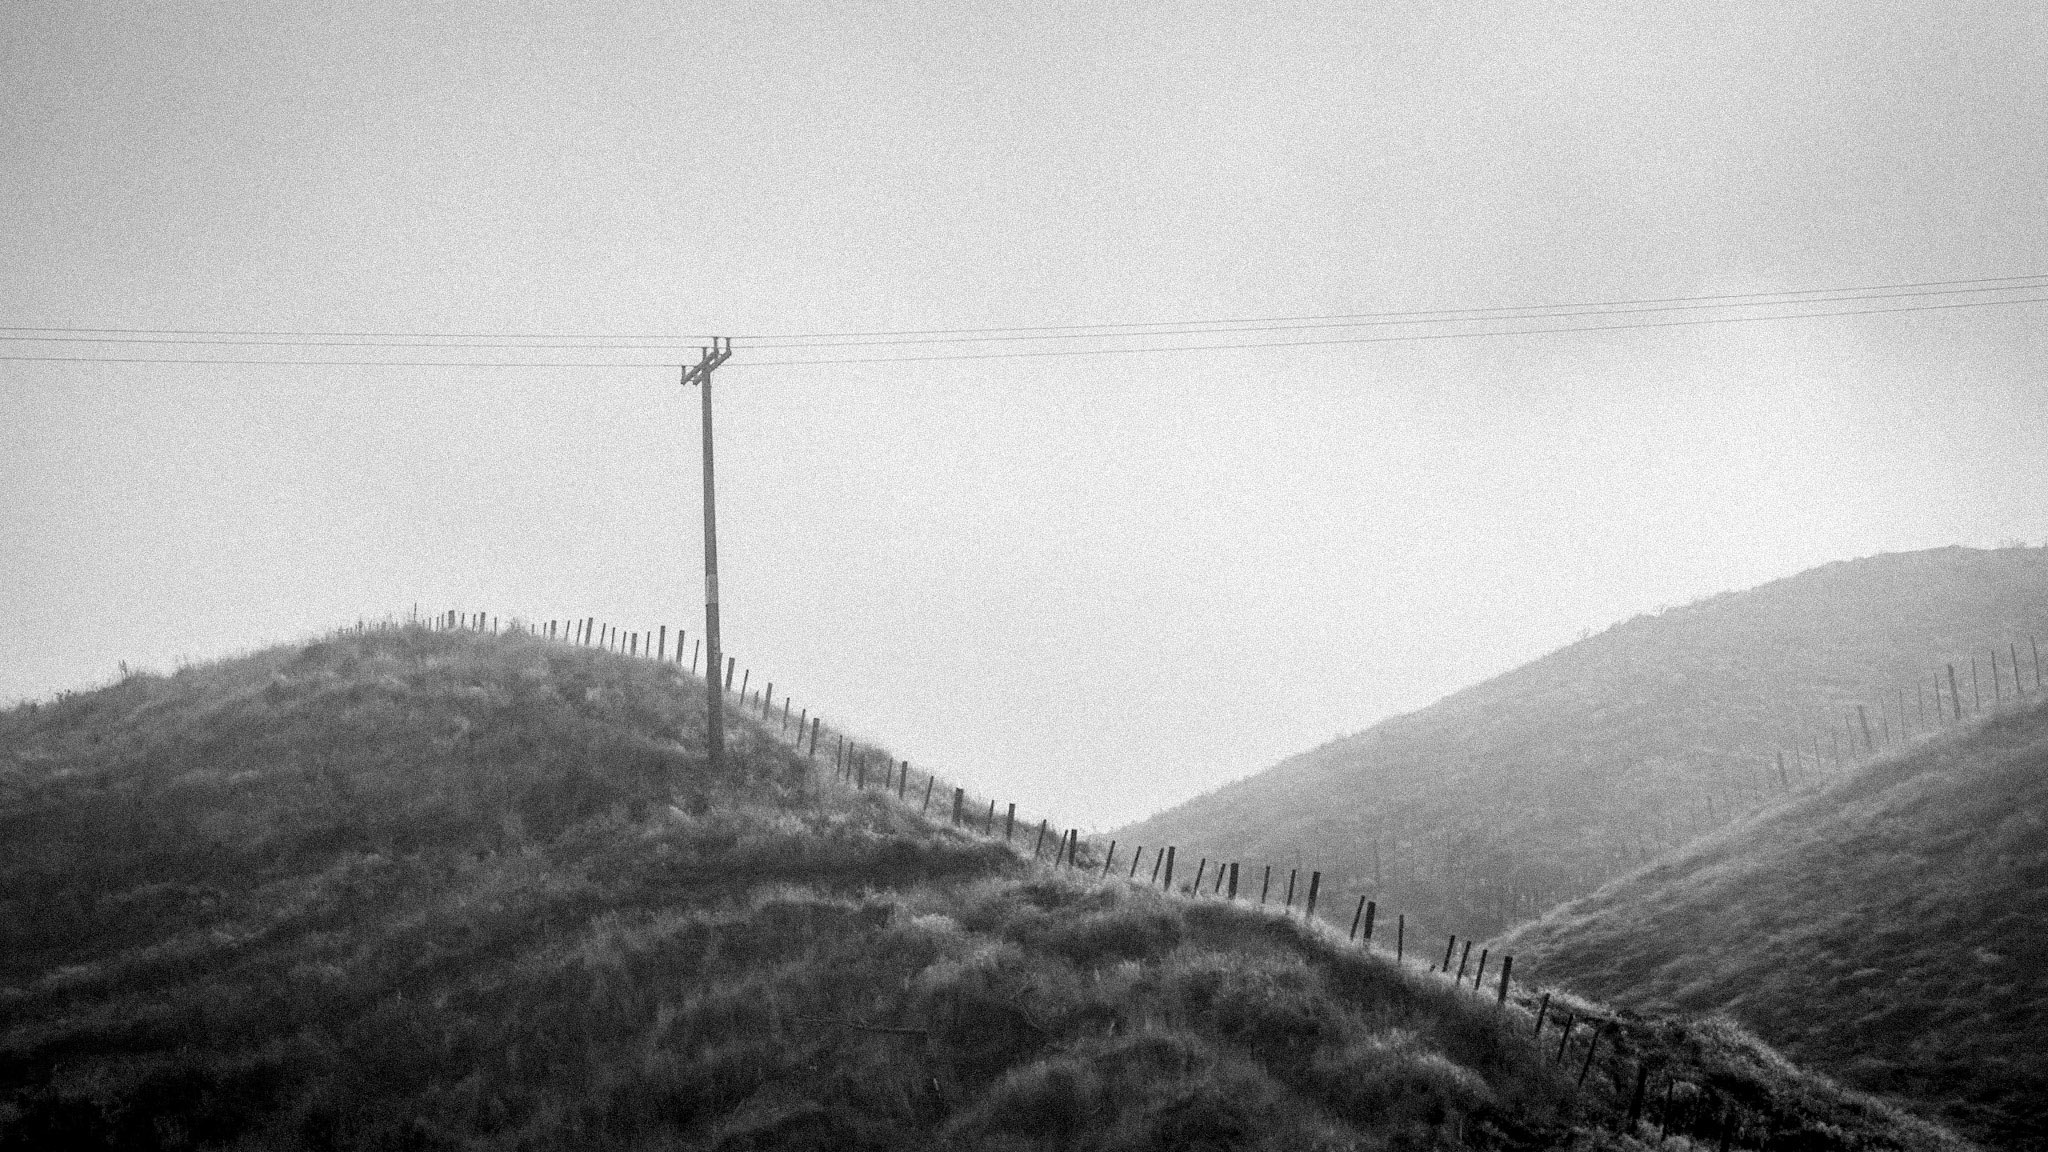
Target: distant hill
[
  {"x": 1505, "y": 798},
  {"x": 1891, "y": 930},
  {"x": 441, "y": 890}
]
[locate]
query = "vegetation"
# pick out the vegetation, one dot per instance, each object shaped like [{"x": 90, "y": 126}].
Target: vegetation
[
  {"x": 412, "y": 890},
  {"x": 1503, "y": 799},
  {"x": 1890, "y": 930}
]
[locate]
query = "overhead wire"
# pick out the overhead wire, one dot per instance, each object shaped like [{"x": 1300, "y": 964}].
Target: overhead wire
[
  {"x": 1186, "y": 330},
  {"x": 1020, "y": 333},
  {"x": 1056, "y": 352}
]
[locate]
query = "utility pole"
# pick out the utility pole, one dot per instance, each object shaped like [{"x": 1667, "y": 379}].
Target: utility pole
[{"x": 714, "y": 696}]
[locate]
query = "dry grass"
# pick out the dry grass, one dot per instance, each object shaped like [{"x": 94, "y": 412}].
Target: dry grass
[{"x": 422, "y": 890}]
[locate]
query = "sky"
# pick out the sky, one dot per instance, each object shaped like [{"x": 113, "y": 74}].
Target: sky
[{"x": 1095, "y": 584}]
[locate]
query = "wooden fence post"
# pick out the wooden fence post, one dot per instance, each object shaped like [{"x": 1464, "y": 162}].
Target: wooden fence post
[
  {"x": 1199, "y": 869},
  {"x": 1108, "y": 859},
  {"x": 1635, "y": 1103},
  {"x": 695, "y": 646},
  {"x": 1372, "y": 909},
  {"x": 1481, "y": 973},
  {"x": 814, "y": 736},
  {"x": 1216, "y": 889},
  {"x": 1073, "y": 848},
  {"x": 1168, "y": 884},
  {"x": 1059, "y": 849},
  {"x": 1315, "y": 881},
  {"x": 1265, "y": 884},
  {"x": 1400, "y": 936},
  {"x": 1592, "y": 1043},
  {"x": 1039, "y": 845},
  {"x": 861, "y": 782},
  {"x": 1955, "y": 695},
  {"x": 1009, "y": 822},
  {"x": 1291, "y": 874},
  {"x": 1997, "y": 681},
  {"x": 988, "y": 826},
  {"x": 1449, "y": 948},
  {"x": 1507, "y": 965},
  {"x": 1541, "y": 1010},
  {"x": 928, "y": 782},
  {"x": 1357, "y": 916},
  {"x": 1233, "y": 879},
  {"x": 959, "y": 798},
  {"x": 902, "y": 781},
  {"x": 1158, "y": 859}
]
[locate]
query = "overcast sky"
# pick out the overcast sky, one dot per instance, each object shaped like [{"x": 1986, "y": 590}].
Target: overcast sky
[{"x": 1097, "y": 585}]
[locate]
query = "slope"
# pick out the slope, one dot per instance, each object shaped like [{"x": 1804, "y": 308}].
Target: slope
[
  {"x": 1509, "y": 796},
  {"x": 1890, "y": 930},
  {"x": 431, "y": 890}
]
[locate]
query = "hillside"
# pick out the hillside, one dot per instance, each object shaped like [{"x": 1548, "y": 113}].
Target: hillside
[
  {"x": 1507, "y": 797},
  {"x": 426, "y": 890},
  {"x": 1891, "y": 930}
]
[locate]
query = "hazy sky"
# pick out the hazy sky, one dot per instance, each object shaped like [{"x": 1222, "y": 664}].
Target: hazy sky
[{"x": 1096, "y": 585}]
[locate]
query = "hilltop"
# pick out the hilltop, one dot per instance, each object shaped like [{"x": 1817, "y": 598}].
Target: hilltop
[
  {"x": 425, "y": 890},
  {"x": 1510, "y": 796},
  {"x": 1889, "y": 930}
]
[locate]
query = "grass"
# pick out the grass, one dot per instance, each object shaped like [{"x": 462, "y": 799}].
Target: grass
[
  {"x": 416, "y": 890},
  {"x": 1889, "y": 931},
  {"x": 1539, "y": 785}
]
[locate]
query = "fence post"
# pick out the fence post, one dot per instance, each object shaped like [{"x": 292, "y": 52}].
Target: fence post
[
  {"x": 928, "y": 782},
  {"x": 959, "y": 798},
  {"x": 1073, "y": 848},
  {"x": 1355, "y": 918},
  {"x": 661, "y": 644},
  {"x": 902, "y": 781},
  {"x": 1507, "y": 965},
  {"x": 988, "y": 826},
  {"x": 1199, "y": 869},
  {"x": 1481, "y": 973},
  {"x": 1009, "y": 822},
  {"x": 1591, "y": 1044},
  {"x": 1372, "y": 909},
  {"x": 1233, "y": 879},
  {"x": 1400, "y": 937},
  {"x": 1039, "y": 845},
  {"x": 1291, "y": 874},
  {"x": 1107, "y": 859},
  {"x": 1315, "y": 881},
  {"x": 1265, "y": 884},
  {"x": 814, "y": 736},
  {"x": 1955, "y": 695},
  {"x": 1635, "y": 1102},
  {"x": 1137, "y": 858},
  {"x": 1541, "y": 1010},
  {"x": 1448, "y": 949}
]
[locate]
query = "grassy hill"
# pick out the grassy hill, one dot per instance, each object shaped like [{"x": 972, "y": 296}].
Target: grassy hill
[
  {"x": 1507, "y": 797},
  {"x": 439, "y": 890},
  {"x": 1892, "y": 930}
]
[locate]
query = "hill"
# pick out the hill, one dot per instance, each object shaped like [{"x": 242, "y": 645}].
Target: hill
[
  {"x": 1890, "y": 929},
  {"x": 1507, "y": 797},
  {"x": 427, "y": 890}
]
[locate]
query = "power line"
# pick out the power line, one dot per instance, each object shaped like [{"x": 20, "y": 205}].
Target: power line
[
  {"x": 1184, "y": 331},
  {"x": 1393, "y": 323},
  {"x": 1755, "y": 297},
  {"x": 1159, "y": 327},
  {"x": 1038, "y": 354},
  {"x": 1390, "y": 339}
]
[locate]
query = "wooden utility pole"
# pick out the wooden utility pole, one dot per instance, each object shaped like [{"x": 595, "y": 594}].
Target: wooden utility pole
[{"x": 714, "y": 699}]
